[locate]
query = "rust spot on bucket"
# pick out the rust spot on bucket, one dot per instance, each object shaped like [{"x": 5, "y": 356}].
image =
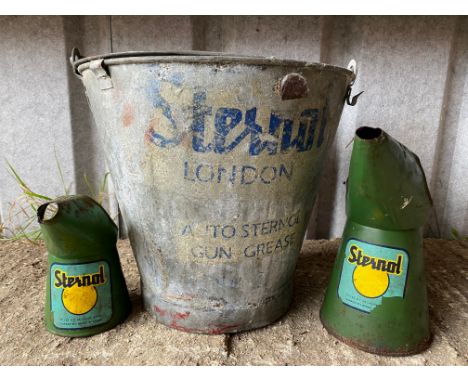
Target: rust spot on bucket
[
  {"x": 149, "y": 132},
  {"x": 181, "y": 297},
  {"x": 127, "y": 115},
  {"x": 293, "y": 86}
]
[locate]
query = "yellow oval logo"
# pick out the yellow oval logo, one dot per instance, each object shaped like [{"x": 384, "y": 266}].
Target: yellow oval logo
[
  {"x": 79, "y": 300},
  {"x": 370, "y": 282}
]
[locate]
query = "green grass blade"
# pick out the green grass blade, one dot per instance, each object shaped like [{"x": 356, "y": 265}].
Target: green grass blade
[
  {"x": 102, "y": 188},
  {"x": 60, "y": 172},
  {"x": 24, "y": 186},
  {"x": 34, "y": 195},
  {"x": 455, "y": 233},
  {"x": 88, "y": 184},
  {"x": 16, "y": 176}
]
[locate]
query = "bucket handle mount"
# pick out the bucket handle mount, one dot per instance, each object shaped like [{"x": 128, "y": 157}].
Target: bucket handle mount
[
  {"x": 97, "y": 67},
  {"x": 351, "y": 101}
]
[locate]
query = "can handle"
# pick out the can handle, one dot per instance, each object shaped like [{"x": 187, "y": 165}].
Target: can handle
[{"x": 351, "y": 101}]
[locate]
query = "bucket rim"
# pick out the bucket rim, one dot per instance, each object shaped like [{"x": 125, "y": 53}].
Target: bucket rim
[{"x": 202, "y": 57}]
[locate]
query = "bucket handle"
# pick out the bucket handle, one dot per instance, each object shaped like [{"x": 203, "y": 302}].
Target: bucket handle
[
  {"x": 74, "y": 58},
  {"x": 351, "y": 101}
]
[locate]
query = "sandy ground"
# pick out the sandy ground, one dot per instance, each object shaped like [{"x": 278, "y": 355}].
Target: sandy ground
[{"x": 297, "y": 339}]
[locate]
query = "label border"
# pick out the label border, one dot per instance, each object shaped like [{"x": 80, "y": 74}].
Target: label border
[
  {"x": 380, "y": 245},
  {"x": 50, "y": 294}
]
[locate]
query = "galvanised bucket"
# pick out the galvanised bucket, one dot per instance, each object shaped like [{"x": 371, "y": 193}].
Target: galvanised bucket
[{"x": 216, "y": 161}]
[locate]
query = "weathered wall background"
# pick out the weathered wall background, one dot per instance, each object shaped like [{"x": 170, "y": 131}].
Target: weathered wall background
[{"x": 414, "y": 71}]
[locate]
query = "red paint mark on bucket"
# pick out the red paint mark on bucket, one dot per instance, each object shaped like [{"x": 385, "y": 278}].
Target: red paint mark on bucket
[
  {"x": 127, "y": 115},
  {"x": 180, "y": 327},
  {"x": 159, "y": 311},
  {"x": 220, "y": 329},
  {"x": 180, "y": 316}
]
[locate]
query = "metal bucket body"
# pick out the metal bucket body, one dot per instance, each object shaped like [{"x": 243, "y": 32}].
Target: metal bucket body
[{"x": 216, "y": 162}]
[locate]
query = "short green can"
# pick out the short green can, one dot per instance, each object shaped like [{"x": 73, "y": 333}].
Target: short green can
[
  {"x": 376, "y": 298},
  {"x": 86, "y": 292}
]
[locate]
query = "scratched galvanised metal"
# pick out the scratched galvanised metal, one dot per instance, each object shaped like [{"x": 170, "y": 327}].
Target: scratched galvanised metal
[{"x": 216, "y": 162}]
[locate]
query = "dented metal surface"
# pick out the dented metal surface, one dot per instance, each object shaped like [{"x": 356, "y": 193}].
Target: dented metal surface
[{"x": 216, "y": 176}]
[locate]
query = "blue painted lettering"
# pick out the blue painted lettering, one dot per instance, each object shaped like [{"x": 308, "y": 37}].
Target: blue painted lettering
[
  {"x": 207, "y": 175},
  {"x": 200, "y": 111},
  {"x": 154, "y": 93},
  {"x": 245, "y": 175},
  {"x": 305, "y": 134},
  {"x": 248, "y": 175},
  {"x": 201, "y": 252},
  {"x": 227, "y": 121},
  {"x": 270, "y": 247},
  {"x": 228, "y": 231},
  {"x": 256, "y": 144},
  {"x": 268, "y": 174},
  {"x": 268, "y": 227},
  {"x": 323, "y": 125}
]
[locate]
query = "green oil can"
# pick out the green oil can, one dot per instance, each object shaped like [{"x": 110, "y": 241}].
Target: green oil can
[
  {"x": 86, "y": 292},
  {"x": 376, "y": 298}
]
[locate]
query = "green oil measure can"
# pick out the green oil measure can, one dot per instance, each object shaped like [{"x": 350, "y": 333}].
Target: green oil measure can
[
  {"x": 376, "y": 298},
  {"x": 86, "y": 292}
]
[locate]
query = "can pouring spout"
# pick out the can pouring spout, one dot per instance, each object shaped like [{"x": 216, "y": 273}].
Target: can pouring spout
[
  {"x": 72, "y": 221},
  {"x": 386, "y": 176}
]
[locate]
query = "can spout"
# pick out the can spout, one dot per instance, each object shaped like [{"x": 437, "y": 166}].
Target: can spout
[
  {"x": 47, "y": 211},
  {"x": 367, "y": 133},
  {"x": 388, "y": 179},
  {"x": 72, "y": 221}
]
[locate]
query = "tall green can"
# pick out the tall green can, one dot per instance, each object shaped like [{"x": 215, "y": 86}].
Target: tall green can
[
  {"x": 376, "y": 298},
  {"x": 86, "y": 292}
]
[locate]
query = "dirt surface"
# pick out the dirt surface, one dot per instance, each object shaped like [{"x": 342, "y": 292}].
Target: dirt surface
[{"x": 297, "y": 339}]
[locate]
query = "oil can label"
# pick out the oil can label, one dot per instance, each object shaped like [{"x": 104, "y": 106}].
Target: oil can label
[
  {"x": 80, "y": 294},
  {"x": 370, "y": 273}
]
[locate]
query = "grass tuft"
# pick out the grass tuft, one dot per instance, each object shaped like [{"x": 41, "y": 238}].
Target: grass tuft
[{"x": 24, "y": 208}]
